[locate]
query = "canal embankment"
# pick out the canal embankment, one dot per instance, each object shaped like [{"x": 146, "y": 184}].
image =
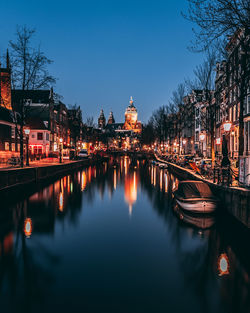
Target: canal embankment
[
  {"x": 11, "y": 178},
  {"x": 235, "y": 200}
]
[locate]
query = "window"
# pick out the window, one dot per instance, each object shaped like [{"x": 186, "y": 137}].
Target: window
[
  {"x": 47, "y": 136},
  {"x": 18, "y": 147},
  {"x": 39, "y": 136},
  {"x": 33, "y": 136},
  {"x": 13, "y": 147},
  {"x": 248, "y": 101},
  {"x": 13, "y": 131},
  {"x": 230, "y": 114},
  {"x": 6, "y": 146},
  {"x": 230, "y": 96},
  {"x": 197, "y": 136}
]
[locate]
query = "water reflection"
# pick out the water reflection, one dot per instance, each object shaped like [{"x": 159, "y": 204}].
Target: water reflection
[{"x": 83, "y": 218}]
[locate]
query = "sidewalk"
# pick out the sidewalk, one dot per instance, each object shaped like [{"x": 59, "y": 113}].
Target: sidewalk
[{"x": 33, "y": 164}]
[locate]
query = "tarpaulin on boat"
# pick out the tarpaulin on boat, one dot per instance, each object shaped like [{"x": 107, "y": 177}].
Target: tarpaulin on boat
[{"x": 194, "y": 189}]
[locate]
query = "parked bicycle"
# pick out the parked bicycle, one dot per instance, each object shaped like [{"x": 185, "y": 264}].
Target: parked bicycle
[{"x": 14, "y": 161}]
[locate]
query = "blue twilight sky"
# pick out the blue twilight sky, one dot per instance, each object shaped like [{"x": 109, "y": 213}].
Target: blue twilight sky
[{"x": 105, "y": 51}]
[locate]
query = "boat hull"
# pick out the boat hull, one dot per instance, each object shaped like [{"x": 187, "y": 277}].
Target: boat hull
[{"x": 198, "y": 206}]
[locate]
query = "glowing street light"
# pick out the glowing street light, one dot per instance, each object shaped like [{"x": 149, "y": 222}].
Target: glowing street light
[
  {"x": 60, "y": 149},
  {"x": 202, "y": 136},
  {"x": 184, "y": 141},
  {"x": 227, "y": 126},
  {"x": 27, "y": 132}
]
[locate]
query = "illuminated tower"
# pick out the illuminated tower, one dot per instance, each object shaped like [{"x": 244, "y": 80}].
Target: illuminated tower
[
  {"x": 101, "y": 120},
  {"x": 131, "y": 115},
  {"x": 111, "y": 119},
  {"x": 5, "y": 84}
]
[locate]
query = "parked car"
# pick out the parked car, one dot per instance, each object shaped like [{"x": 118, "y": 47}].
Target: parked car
[{"x": 83, "y": 154}]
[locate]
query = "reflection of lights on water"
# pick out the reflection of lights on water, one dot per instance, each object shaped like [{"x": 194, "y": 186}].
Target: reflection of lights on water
[
  {"x": 154, "y": 176},
  {"x": 166, "y": 183},
  {"x": 126, "y": 165},
  {"x": 89, "y": 174},
  {"x": 130, "y": 191},
  {"x": 223, "y": 265},
  {"x": 28, "y": 227},
  {"x": 161, "y": 174},
  {"x": 61, "y": 201},
  {"x": 71, "y": 187},
  {"x": 84, "y": 181},
  {"x": 114, "y": 179},
  {"x": 68, "y": 184},
  {"x": 173, "y": 184}
]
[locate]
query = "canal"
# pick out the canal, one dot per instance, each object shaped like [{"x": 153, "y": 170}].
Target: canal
[{"x": 110, "y": 238}]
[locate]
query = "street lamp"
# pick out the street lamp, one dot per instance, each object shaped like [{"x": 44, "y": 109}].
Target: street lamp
[
  {"x": 227, "y": 126},
  {"x": 225, "y": 160},
  {"x": 202, "y": 138},
  {"x": 60, "y": 149},
  {"x": 27, "y": 132}
]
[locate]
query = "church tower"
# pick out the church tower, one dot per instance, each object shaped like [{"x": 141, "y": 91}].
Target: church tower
[
  {"x": 5, "y": 84},
  {"x": 111, "y": 119},
  {"x": 101, "y": 120},
  {"x": 130, "y": 115}
]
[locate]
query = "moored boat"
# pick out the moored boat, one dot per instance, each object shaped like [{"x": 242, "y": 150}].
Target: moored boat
[{"x": 195, "y": 196}]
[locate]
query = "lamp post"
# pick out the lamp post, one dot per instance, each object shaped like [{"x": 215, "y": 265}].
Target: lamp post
[
  {"x": 184, "y": 141},
  {"x": 202, "y": 138},
  {"x": 60, "y": 149},
  {"x": 27, "y": 132},
  {"x": 225, "y": 161}
]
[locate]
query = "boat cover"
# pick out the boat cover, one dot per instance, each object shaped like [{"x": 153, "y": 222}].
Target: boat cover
[{"x": 194, "y": 189}]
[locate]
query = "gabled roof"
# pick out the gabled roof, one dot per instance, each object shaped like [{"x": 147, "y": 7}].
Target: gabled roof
[
  {"x": 36, "y": 123},
  {"x": 37, "y": 96},
  {"x": 114, "y": 126}
]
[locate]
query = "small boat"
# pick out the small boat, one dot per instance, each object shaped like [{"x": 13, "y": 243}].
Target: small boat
[
  {"x": 195, "y": 196},
  {"x": 163, "y": 165}
]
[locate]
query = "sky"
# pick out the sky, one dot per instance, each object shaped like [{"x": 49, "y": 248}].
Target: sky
[{"x": 105, "y": 51}]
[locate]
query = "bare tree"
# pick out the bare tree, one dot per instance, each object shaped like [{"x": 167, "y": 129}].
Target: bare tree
[
  {"x": 90, "y": 121},
  {"x": 29, "y": 64},
  {"x": 217, "y": 19},
  {"x": 175, "y": 106},
  {"x": 29, "y": 72},
  {"x": 204, "y": 80}
]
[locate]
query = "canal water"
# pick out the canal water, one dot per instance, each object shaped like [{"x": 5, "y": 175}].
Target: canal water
[{"x": 110, "y": 238}]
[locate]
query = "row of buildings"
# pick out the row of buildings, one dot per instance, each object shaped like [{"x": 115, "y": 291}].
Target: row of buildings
[
  {"x": 52, "y": 125},
  {"x": 206, "y": 116}
]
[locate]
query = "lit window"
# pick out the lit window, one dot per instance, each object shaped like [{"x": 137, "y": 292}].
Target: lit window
[
  {"x": 6, "y": 146},
  {"x": 13, "y": 131},
  {"x": 13, "y": 147},
  {"x": 39, "y": 136}
]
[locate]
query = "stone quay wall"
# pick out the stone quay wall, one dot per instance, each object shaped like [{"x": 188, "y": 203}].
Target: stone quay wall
[
  {"x": 235, "y": 200},
  {"x": 15, "y": 177}
]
